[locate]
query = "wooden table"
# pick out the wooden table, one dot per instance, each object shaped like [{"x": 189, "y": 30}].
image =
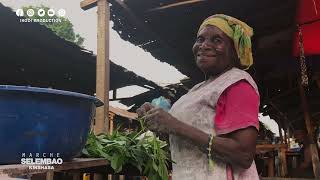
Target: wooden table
[
  {"x": 281, "y": 148},
  {"x": 16, "y": 170},
  {"x": 267, "y": 178}
]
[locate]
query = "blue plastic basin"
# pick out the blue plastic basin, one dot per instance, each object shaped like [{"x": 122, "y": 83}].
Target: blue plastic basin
[{"x": 41, "y": 120}]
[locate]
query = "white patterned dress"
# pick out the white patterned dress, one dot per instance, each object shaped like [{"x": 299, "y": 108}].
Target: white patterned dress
[{"x": 197, "y": 108}]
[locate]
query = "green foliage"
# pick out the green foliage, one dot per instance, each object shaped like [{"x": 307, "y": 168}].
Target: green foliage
[
  {"x": 143, "y": 151},
  {"x": 64, "y": 29}
]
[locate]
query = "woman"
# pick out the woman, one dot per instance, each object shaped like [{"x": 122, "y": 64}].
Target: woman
[{"x": 213, "y": 128}]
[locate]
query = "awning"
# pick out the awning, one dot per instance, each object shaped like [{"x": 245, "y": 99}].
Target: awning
[{"x": 308, "y": 17}]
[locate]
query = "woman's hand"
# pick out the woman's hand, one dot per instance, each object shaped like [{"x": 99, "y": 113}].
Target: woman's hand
[
  {"x": 157, "y": 119},
  {"x": 142, "y": 110}
]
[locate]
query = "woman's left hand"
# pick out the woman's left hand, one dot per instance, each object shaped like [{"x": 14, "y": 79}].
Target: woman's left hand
[{"x": 161, "y": 121}]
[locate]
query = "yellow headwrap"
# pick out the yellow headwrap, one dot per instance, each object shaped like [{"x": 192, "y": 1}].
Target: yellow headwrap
[{"x": 238, "y": 31}]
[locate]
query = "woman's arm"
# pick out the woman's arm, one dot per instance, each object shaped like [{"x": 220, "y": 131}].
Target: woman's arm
[{"x": 237, "y": 148}]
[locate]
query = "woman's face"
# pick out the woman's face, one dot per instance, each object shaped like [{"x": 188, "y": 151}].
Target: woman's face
[{"x": 213, "y": 51}]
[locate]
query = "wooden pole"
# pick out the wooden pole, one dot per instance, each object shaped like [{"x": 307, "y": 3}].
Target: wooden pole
[
  {"x": 271, "y": 166},
  {"x": 88, "y": 4},
  {"x": 103, "y": 70},
  {"x": 103, "y": 67},
  {"x": 280, "y": 133},
  {"x": 111, "y": 118},
  {"x": 313, "y": 147},
  {"x": 49, "y": 175},
  {"x": 283, "y": 162}
]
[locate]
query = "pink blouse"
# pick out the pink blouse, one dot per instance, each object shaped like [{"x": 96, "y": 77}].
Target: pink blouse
[{"x": 237, "y": 108}]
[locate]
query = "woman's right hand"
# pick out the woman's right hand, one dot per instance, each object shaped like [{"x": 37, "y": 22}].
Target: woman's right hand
[{"x": 142, "y": 110}]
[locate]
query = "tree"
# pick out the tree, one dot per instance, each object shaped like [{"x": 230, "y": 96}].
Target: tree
[{"x": 64, "y": 29}]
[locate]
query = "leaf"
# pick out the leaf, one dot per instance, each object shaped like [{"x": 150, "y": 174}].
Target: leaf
[
  {"x": 85, "y": 152},
  {"x": 104, "y": 155},
  {"x": 155, "y": 167},
  {"x": 116, "y": 163}
]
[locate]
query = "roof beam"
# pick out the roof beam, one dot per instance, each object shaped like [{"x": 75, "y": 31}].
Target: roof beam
[
  {"x": 144, "y": 28},
  {"x": 88, "y": 4},
  {"x": 175, "y": 5}
]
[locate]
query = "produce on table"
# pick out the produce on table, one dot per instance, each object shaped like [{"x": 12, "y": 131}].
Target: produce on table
[{"x": 142, "y": 150}]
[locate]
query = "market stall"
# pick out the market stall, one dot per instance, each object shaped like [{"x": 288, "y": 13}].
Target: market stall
[{"x": 287, "y": 95}]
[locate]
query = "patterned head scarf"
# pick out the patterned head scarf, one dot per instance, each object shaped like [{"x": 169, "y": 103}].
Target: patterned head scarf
[{"x": 238, "y": 31}]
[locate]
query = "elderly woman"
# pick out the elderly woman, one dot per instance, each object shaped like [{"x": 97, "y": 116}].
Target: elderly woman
[{"x": 213, "y": 128}]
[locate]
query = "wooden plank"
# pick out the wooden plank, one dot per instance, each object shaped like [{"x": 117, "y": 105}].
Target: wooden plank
[
  {"x": 77, "y": 163},
  {"x": 283, "y": 162},
  {"x": 49, "y": 175},
  {"x": 111, "y": 117},
  {"x": 76, "y": 176},
  {"x": 98, "y": 176},
  {"x": 88, "y": 4},
  {"x": 86, "y": 176},
  {"x": 80, "y": 163},
  {"x": 175, "y": 5},
  {"x": 103, "y": 67},
  {"x": 271, "y": 167},
  {"x": 120, "y": 99},
  {"x": 123, "y": 113},
  {"x": 278, "y": 178},
  {"x": 307, "y": 118},
  {"x": 5, "y": 177},
  {"x": 19, "y": 169},
  {"x": 109, "y": 177},
  {"x": 271, "y": 146}
]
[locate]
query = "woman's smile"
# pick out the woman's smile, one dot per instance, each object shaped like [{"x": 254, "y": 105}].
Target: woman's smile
[{"x": 206, "y": 56}]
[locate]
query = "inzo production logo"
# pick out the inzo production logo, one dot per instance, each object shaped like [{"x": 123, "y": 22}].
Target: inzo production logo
[
  {"x": 41, "y": 15},
  {"x": 41, "y": 160}
]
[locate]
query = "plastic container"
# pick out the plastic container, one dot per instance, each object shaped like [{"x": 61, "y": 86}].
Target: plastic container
[{"x": 41, "y": 120}]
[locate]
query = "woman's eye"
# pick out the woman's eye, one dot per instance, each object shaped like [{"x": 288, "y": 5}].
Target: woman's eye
[
  {"x": 200, "y": 39},
  {"x": 216, "y": 40}
]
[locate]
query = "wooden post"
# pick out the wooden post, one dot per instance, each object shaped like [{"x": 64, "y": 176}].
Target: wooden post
[
  {"x": 49, "y": 175},
  {"x": 111, "y": 118},
  {"x": 103, "y": 70},
  {"x": 76, "y": 176},
  {"x": 103, "y": 67},
  {"x": 283, "y": 162},
  {"x": 271, "y": 166},
  {"x": 97, "y": 176},
  {"x": 313, "y": 147}
]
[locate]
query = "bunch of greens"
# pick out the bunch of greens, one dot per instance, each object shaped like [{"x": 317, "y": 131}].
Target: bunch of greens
[{"x": 140, "y": 149}]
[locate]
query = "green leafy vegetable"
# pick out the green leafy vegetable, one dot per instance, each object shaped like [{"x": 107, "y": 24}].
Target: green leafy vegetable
[{"x": 141, "y": 149}]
